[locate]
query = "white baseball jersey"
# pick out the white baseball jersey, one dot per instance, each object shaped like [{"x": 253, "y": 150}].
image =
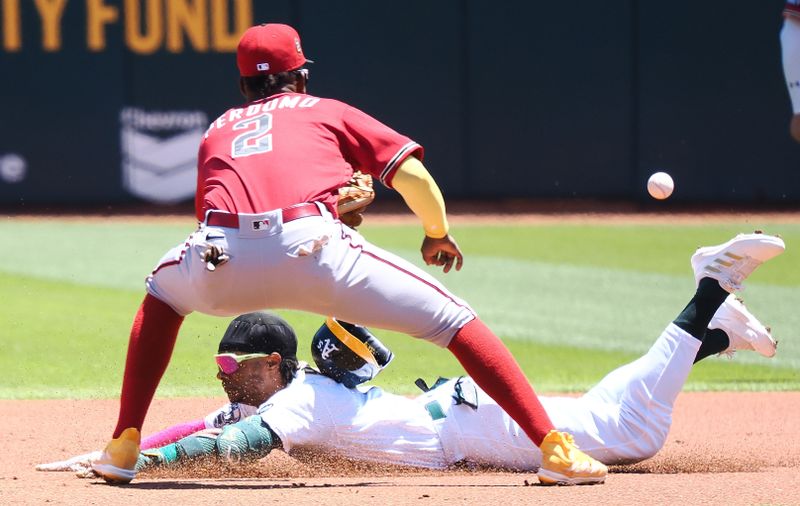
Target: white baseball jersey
[
  {"x": 790, "y": 53},
  {"x": 313, "y": 264},
  {"x": 625, "y": 418},
  {"x": 231, "y": 412}
]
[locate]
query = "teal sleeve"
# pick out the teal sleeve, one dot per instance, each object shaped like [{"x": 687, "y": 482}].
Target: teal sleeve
[
  {"x": 187, "y": 448},
  {"x": 250, "y": 438}
]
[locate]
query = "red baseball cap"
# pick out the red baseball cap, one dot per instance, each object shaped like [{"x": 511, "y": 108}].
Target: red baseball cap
[{"x": 269, "y": 48}]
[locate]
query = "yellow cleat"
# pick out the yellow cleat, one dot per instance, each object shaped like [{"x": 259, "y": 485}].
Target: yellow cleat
[
  {"x": 117, "y": 463},
  {"x": 564, "y": 464}
]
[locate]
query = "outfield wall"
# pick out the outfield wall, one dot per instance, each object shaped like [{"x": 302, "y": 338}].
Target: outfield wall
[{"x": 103, "y": 101}]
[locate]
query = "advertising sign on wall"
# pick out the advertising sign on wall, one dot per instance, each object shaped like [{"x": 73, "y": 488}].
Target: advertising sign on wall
[
  {"x": 97, "y": 109},
  {"x": 104, "y": 101}
]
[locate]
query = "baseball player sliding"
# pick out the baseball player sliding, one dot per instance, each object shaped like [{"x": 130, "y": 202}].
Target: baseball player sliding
[
  {"x": 269, "y": 172},
  {"x": 624, "y": 419}
]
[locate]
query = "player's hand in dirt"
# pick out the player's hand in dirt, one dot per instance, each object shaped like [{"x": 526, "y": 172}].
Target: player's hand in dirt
[
  {"x": 80, "y": 464},
  {"x": 443, "y": 252}
]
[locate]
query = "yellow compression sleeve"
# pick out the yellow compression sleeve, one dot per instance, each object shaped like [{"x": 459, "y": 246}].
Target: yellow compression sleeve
[{"x": 422, "y": 195}]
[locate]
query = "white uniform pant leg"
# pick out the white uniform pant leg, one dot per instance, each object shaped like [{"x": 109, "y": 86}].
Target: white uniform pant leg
[
  {"x": 485, "y": 436},
  {"x": 361, "y": 283},
  {"x": 312, "y": 264},
  {"x": 624, "y": 419},
  {"x": 239, "y": 286},
  {"x": 790, "y": 51},
  {"x": 176, "y": 275},
  {"x": 627, "y": 416}
]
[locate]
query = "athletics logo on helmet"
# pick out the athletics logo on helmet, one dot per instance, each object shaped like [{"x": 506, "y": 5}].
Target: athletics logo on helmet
[
  {"x": 348, "y": 353},
  {"x": 270, "y": 48}
]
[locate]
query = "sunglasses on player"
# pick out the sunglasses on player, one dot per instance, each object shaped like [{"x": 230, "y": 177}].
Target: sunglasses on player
[{"x": 229, "y": 363}]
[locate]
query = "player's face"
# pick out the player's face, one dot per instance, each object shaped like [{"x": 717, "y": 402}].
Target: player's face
[
  {"x": 229, "y": 363},
  {"x": 249, "y": 382}
]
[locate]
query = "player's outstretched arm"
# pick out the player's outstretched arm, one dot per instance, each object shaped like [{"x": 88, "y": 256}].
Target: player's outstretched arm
[
  {"x": 197, "y": 445},
  {"x": 81, "y": 464},
  {"x": 248, "y": 439},
  {"x": 251, "y": 438},
  {"x": 77, "y": 464},
  {"x": 172, "y": 434},
  {"x": 423, "y": 197}
]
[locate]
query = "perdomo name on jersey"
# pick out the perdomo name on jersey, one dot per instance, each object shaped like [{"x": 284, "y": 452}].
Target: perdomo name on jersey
[{"x": 285, "y": 102}]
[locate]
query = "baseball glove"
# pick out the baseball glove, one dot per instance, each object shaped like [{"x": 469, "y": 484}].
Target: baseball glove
[{"x": 354, "y": 197}]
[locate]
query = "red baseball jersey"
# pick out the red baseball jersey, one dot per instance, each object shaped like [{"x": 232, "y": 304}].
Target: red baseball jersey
[
  {"x": 292, "y": 148},
  {"x": 792, "y": 8}
]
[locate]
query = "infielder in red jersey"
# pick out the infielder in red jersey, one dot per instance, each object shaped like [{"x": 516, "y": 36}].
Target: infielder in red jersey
[
  {"x": 268, "y": 176},
  {"x": 790, "y": 52},
  {"x": 290, "y": 148}
]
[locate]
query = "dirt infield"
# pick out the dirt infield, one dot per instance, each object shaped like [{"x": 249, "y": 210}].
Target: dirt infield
[{"x": 724, "y": 448}]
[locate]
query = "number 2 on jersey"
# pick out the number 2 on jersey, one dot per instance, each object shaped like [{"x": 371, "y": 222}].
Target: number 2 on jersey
[{"x": 256, "y": 139}]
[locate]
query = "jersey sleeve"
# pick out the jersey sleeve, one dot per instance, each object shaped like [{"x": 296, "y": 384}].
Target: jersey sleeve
[
  {"x": 372, "y": 147},
  {"x": 299, "y": 416},
  {"x": 171, "y": 434},
  {"x": 228, "y": 414}
]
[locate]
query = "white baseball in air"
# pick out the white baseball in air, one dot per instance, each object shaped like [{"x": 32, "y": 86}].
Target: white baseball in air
[{"x": 660, "y": 185}]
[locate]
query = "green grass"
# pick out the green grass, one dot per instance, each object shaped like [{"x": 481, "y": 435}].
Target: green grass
[{"x": 571, "y": 301}]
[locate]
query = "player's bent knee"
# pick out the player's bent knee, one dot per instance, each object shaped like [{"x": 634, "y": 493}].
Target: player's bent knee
[
  {"x": 248, "y": 439},
  {"x": 652, "y": 446}
]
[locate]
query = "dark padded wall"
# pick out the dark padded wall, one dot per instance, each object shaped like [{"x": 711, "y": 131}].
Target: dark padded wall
[
  {"x": 510, "y": 99},
  {"x": 549, "y": 91},
  {"x": 57, "y": 111},
  {"x": 401, "y": 62},
  {"x": 714, "y": 110}
]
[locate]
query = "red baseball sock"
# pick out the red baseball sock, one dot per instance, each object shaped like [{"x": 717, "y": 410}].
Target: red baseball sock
[
  {"x": 495, "y": 370},
  {"x": 153, "y": 335}
]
